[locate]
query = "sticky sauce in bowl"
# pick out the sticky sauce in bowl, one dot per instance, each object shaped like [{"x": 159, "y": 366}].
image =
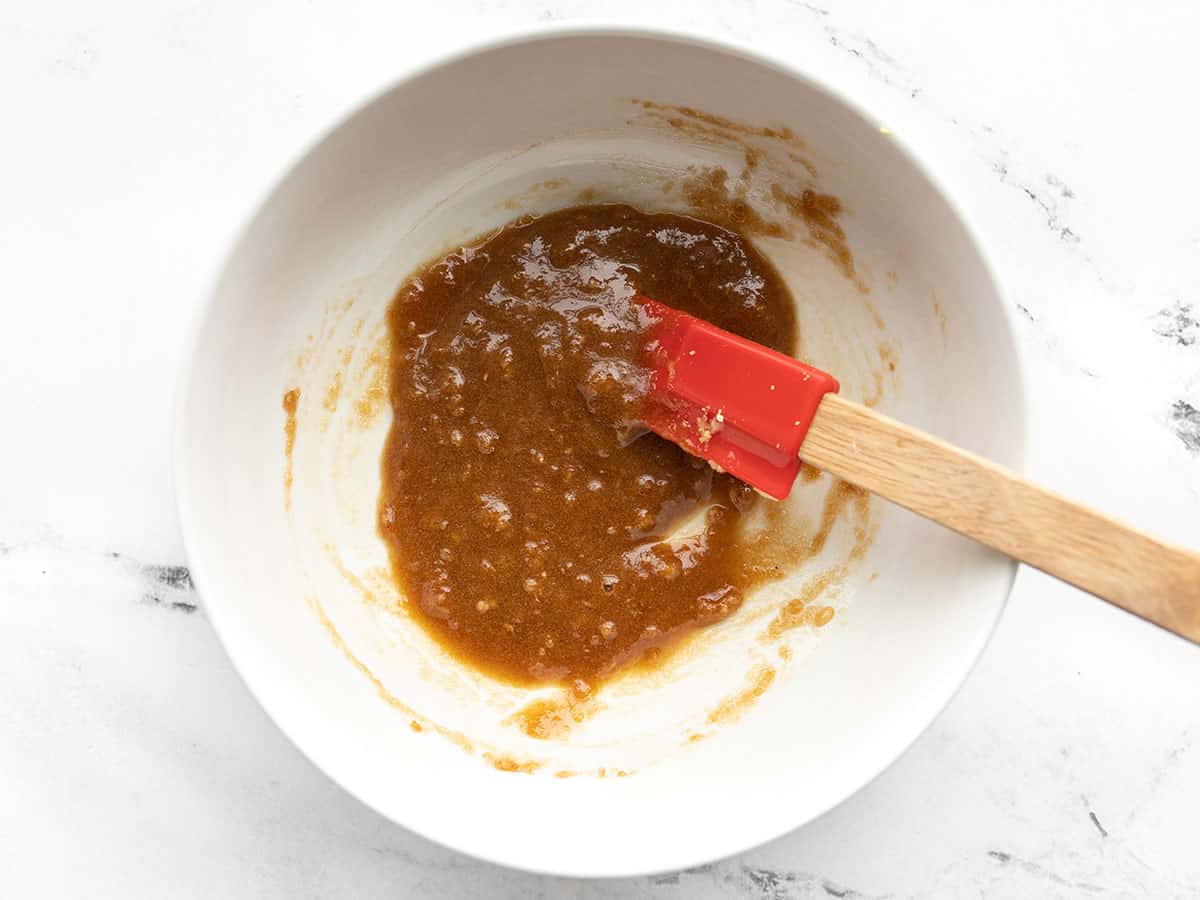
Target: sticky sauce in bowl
[{"x": 539, "y": 534}]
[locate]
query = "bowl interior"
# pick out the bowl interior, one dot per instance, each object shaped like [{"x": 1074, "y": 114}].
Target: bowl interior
[{"x": 295, "y": 581}]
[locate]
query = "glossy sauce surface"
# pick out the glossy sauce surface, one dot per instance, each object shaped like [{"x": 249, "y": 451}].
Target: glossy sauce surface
[{"x": 532, "y": 524}]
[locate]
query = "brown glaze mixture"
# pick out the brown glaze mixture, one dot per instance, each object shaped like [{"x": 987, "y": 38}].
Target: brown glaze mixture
[{"x": 529, "y": 519}]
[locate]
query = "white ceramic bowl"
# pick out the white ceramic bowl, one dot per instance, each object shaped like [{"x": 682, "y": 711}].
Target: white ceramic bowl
[{"x": 450, "y": 151}]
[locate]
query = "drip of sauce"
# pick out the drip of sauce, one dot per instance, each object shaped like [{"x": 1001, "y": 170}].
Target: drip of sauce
[
  {"x": 732, "y": 708},
  {"x": 537, "y": 530},
  {"x": 507, "y": 764},
  {"x": 551, "y": 718},
  {"x": 291, "y": 402},
  {"x": 711, "y": 192}
]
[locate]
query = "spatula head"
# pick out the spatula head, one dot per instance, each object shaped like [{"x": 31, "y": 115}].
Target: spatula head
[{"x": 739, "y": 405}]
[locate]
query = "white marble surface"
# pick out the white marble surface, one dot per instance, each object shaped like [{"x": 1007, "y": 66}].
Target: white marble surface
[{"x": 134, "y": 135}]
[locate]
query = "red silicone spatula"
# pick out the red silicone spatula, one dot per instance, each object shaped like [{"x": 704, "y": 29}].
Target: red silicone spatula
[{"x": 756, "y": 414}]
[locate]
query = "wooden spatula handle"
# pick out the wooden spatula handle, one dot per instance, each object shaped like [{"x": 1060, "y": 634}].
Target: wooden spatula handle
[{"x": 999, "y": 508}]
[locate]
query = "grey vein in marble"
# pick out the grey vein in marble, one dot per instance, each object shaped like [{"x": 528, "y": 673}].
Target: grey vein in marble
[
  {"x": 1046, "y": 199},
  {"x": 763, "y": 882},
  {"x": 1178, "y": 323},
  {"x": 879, "y": 63},
  {"x": 166, "y": 586},
  {"x": 1096, "y": 821},
  {"x": 1041, "y": 873},
  {"x": 1185, "y": 422}
]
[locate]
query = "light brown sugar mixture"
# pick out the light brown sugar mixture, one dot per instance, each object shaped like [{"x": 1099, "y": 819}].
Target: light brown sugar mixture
[{"x": 532, "y": 523}]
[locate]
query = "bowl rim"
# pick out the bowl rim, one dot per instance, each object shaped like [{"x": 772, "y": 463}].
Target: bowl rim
[{"x": 748, "y": 839}]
